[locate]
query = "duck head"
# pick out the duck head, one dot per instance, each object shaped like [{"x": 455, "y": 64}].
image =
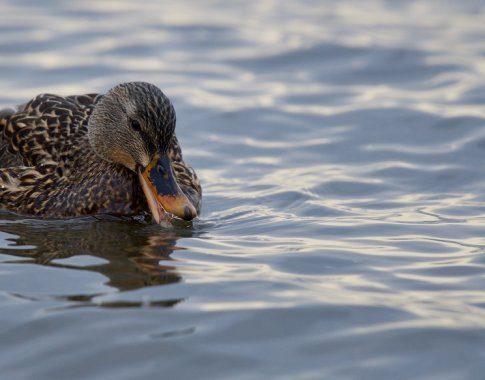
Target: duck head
[{"x": 134, "y": 125}]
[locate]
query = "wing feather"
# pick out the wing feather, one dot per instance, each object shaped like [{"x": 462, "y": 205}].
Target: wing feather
[{"x": 43, "y": 129}]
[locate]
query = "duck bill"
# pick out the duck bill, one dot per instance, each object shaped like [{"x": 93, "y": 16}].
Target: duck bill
[{"x": 162, "y": 192}]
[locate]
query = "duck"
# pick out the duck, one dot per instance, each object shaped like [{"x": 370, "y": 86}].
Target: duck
[{"x": 115, "y": 153}]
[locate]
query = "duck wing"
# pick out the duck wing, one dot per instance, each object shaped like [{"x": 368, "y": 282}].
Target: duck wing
[
  {"x": 37, "y": 144},
  {"x": 44, "y": 130},
  {"x": 6, "y": 158}
]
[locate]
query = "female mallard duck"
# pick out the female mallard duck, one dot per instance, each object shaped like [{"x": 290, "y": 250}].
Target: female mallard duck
[{"x": 94, "y": 154}]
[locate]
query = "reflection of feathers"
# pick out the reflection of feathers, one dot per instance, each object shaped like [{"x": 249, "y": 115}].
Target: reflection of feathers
[{"x": 130, "y": 258}]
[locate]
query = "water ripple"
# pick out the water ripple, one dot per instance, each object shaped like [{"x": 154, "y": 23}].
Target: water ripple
[{"x": 342, "y": 235}]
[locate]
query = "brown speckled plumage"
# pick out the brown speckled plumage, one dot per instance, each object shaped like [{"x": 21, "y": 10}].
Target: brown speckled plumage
[{"x": 49, "y": 167}]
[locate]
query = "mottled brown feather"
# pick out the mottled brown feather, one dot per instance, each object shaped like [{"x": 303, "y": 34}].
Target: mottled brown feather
[{"x": 49, "y": 169}]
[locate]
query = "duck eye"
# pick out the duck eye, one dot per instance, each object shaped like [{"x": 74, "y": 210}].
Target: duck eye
[{"x": 135, "y": 124}]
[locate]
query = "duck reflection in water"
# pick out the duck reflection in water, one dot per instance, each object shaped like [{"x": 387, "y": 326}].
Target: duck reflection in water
[{"x": 134, "y": 255}]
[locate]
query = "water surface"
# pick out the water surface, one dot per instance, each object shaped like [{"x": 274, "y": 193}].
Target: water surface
[{"x": 341, "y": 149}]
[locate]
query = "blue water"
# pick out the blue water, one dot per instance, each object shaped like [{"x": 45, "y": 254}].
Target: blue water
[{"x": 341, "y": 148}]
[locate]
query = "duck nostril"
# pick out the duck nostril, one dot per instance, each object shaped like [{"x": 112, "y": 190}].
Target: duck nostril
[{"x": 161, "y": 170}]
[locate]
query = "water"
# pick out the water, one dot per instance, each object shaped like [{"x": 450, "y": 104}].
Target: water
[{"x": 341, "y": 147}]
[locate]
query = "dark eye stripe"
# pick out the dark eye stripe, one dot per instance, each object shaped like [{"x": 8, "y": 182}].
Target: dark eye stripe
[{"x": 135, "y": 124}]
